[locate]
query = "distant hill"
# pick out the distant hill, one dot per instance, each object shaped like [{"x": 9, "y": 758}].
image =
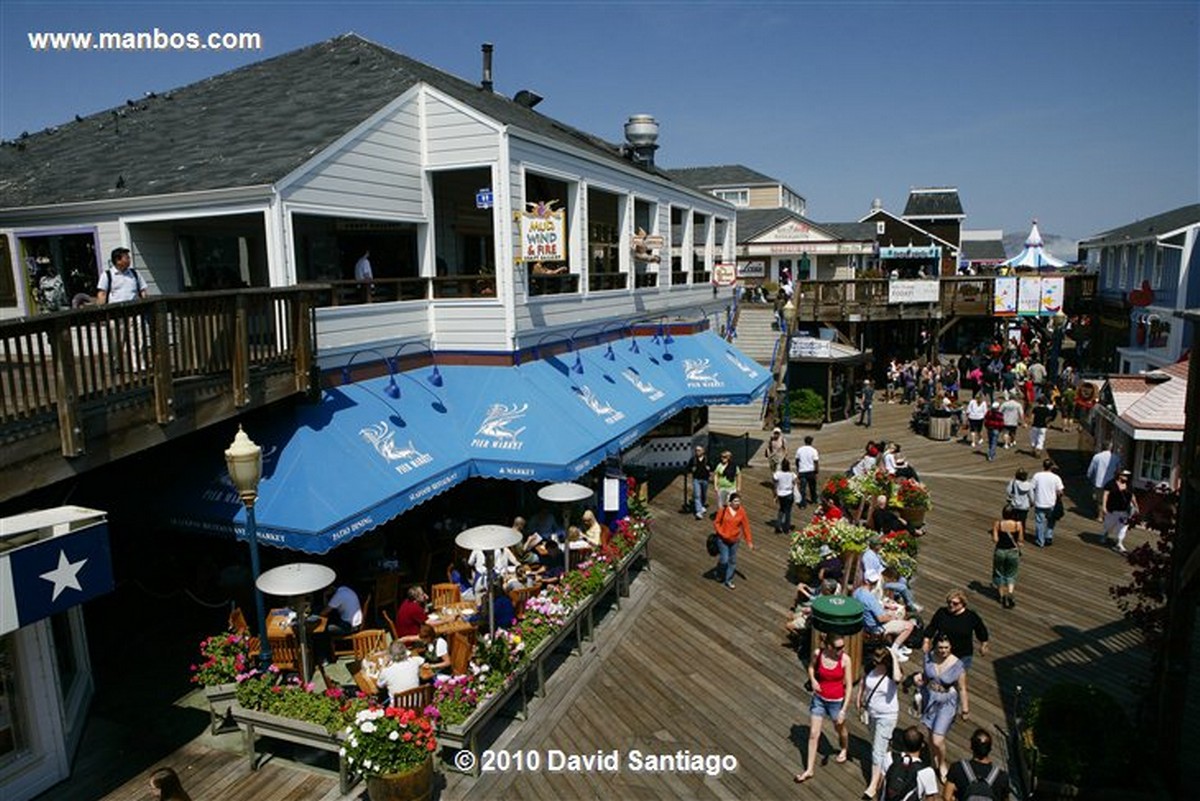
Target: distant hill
[{"x": 1060, "y": 246}]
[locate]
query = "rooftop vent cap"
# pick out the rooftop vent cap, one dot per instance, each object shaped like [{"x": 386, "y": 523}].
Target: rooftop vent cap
[{"x": 641, "y": 132}]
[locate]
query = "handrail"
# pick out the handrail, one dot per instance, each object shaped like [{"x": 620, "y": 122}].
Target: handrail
[{"x": 65, "y": 363}]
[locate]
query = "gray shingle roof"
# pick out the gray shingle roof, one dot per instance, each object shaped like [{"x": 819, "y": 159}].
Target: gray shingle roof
[
  {"x": 1149, "y": 227},
  {"x": 251, "y": 126},
  {"x": 754, "y": 222},
  {"x": 983, "y": 249},
  {"x": 933, "y": 203},
  {"x": 729, "y": 175}
]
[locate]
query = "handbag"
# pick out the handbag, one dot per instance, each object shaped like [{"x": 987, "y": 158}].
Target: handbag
[
  {"x": 711, "y": 544},
  {"x": 863, "y": 714}
]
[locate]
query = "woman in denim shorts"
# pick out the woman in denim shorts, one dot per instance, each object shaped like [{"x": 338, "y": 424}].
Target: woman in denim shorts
[{"x": 830, "y": 674}]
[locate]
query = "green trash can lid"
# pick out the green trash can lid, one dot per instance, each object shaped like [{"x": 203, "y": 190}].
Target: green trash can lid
[{"x": 836, "y": 610}]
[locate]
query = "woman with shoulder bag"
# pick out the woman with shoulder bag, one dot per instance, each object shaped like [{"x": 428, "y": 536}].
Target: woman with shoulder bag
[
  {"x": 1019, "y": 496},
  {"x": 879, "y": 708},
  {"x": 1007, "y": 535}
]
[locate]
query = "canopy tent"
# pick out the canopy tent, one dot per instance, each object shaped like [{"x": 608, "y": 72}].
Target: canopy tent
[
  {"x": 1034, "y": 254},
  {"x": 370, "y": 450}
]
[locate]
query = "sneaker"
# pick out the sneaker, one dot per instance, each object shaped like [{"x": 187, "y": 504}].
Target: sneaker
[
  {"x": 917, "y": 608},
  {"x": 729, "y": 585},
  {"x": 699, "y": 515},
  {"x": 901, "y": 656},
  {"x": 1120, "y": 549},
  {"x": 904, "y": 650}
]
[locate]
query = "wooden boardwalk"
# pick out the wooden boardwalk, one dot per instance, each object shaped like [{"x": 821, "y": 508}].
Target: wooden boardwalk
[{"x": 686, "y": 665}]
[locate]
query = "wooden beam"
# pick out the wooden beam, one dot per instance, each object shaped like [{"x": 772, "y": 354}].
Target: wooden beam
[
  {"x": 160, "y": 349},
  {"x": 70, "y": 433}
]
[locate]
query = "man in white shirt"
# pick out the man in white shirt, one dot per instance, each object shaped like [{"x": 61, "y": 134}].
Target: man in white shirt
[
  {"x": 120, "y": 282},
  {"x": 362, "y": 269},
  {"x": 976, "y": 411},
  {"x": 1014, "y": 416},
  {"x": 1047, "y": 491},
  {"x": 1102, "y": 470},
  {"x": 807, "y": 466},
  {"x": 926, "y": 785},
  {"x": 404, "y": 672}
]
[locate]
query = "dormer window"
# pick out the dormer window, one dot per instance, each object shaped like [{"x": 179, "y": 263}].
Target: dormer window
[{"x": 738, "y": 197}]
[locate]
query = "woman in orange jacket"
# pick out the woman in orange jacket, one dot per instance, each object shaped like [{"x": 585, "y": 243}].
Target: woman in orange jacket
[{"x": 732, "y": 524}]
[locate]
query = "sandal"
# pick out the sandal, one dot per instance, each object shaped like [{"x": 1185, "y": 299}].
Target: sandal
[
  {"x": 801, "y": 778},
  {"x": 841, "y": 757}
]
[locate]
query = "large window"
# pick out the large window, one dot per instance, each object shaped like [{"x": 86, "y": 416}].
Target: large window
[
  {"x": 1124, "y": 278},
  {"x": 604, "y": 240},
  {"x": 1157, "y": 460},
  {"x": 12, "y": 736},
  {"x": 464, "y": 238},
  {"x": 8, "y": 287},
  {"x": 738, "y": 197},
  {"x": 1139, "y": 273},
  {"x": 700, "y": 233},
  {"x": 1156, "y": 277},
  {"x": 58, "y": 267},
  {"x": 680, "y": 221}
]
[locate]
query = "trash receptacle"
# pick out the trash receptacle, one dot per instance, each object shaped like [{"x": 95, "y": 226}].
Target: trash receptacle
[
  {"x": 841, "y": 614},
  {"x": 940, "y": 426}
]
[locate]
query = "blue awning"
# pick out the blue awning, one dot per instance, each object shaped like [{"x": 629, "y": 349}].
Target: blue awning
[
  {"x": 335, "y": 469},
  {"x": 712, "y": 371},
  {"x": 359, "y": 457}
]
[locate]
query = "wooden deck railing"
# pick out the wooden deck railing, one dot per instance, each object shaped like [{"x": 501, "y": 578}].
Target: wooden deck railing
[
  {"x": 959, "y": 295},
  {"x": 70, "y": 365}
]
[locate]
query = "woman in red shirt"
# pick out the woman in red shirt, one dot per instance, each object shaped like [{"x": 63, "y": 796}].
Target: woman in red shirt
[{"x": 830, "y": 674}]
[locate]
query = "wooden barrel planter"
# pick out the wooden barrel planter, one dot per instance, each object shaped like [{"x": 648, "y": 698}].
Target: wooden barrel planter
[
  {"x": 914, "y": 515},
  {"x": 411, "y": 785}
]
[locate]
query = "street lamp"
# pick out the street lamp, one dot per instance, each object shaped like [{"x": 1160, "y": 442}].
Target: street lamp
[{"x": 244, "y": 460}]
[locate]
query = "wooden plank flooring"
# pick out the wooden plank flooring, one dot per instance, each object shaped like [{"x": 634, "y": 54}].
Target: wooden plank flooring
[
  {"x": 689, "y": 665},
  {"x": 686, "y": 665}
]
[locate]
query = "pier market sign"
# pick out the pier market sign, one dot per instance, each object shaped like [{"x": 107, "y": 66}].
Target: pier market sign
[{"x": 543, "y": 232}]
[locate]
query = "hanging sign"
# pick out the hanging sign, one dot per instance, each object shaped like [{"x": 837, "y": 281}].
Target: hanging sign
[
  {"x": 543, "y": 232},
  {"x": 1029, "y": 295},
  {"x": 1052, "y": 295},
  {"x": 913, "y": 291},
  {"x": 483, "y": 198},
  {"x": 1005, "y": 302},
  {"x": 724, "y": 274}
]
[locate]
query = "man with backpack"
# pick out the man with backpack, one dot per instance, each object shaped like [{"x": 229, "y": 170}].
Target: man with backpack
[
  {"x": 977, "y": 779},
  {"x": 905, "y": 777}
]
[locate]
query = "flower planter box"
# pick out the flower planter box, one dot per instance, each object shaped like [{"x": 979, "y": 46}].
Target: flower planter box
[
  {"x": 220, "y": 701},
  {"x": 291, "y": 730}
]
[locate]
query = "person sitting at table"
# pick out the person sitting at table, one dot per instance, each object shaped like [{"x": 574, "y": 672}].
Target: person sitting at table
[
  {"x": 519, "y": 579},
  {"x": 435, "y": 649},
  {"x": 592, "y": 530},
  {"x": 343, "y": 615},
  {"x": 411, "y": 612},
  {"x": 503, "y": 611},
  {"x": 503, "y": 561},
  {"x": 404, "y": 672},
  {"x": 462, "y": 574},
  {"x": 551, "y": 563},
  {"x": 575, "y": 540}
]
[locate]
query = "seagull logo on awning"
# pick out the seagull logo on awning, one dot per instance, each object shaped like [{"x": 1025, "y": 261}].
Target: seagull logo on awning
[
  {"x": 65, "y": 576},
  {"x": 698, "y": 373}
]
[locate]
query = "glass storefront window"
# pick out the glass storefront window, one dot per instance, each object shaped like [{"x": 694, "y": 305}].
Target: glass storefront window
[{"x": 12, "y": 740}]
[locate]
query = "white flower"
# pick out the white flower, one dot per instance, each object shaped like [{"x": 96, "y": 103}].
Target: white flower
[
  {"x": 367, "y": 727},
  {"x": 342, "y": 751},
  {"x": 394, "y": 736},
  {"x": 367, "y": 764}
]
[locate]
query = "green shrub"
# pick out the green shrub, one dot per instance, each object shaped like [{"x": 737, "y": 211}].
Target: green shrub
[
  {"x": 805, "y": 404},
  {"x": 1082, "y": 737}
]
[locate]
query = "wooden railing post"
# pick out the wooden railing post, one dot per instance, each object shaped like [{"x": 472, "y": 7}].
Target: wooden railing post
[
  {"x": 70, "y": 431},
  {"x": 302, "y": 339},
  {"x": 241, "y": 352},
  {"x": 160, "y": 355}
]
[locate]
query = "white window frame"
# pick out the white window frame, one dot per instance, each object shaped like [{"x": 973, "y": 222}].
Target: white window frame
[
  {"x": 1156, "y": 274},
  {"x": 1139, "y": 272},
  {"x": 1157, "y": 461},
  {"x": 1124, "y": 276},
  {"x": 737, "y": 197}
]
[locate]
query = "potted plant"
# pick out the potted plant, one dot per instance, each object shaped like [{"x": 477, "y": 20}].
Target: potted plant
[
  {"x": 393, "y": 748},
  {"x": 913, "y": 498},
  {"x": 223, "y": 657}
]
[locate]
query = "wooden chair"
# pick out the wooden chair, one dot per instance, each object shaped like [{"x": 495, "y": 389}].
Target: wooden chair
[
  {"x": 366, "y": 684},
  {"x": 522, "y": 594},
  {"x": 460, "y": 654},
  {"x": 285, "y": 653},
  {"x": 368, "y": 641},
  {"x": 387, "y": 593},
  {"x": 238, "y": 625},
  {"x": 417, "y": 698},
  {"x": 578, "y": 556},
  {"x": 445, "y": 594},
  {"x": 391, "y": 624},
  {"x": 342, "y": 645}
]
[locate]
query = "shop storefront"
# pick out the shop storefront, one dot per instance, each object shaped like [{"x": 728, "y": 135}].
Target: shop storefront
[{"x": 50, "y": 563}]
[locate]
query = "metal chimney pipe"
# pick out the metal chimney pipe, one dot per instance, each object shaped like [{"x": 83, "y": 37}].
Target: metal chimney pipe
[{"x": 486, "y": 83}]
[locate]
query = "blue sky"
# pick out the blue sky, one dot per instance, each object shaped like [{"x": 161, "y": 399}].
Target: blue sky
[{"x": 1084, "y": 115}]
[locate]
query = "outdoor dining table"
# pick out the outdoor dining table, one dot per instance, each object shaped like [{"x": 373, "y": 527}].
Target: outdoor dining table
[{"x": 280, "y": 624}]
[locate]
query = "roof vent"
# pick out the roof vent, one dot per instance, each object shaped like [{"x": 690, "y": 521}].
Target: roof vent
[
  {"x": 1156, "y": 376},
  {"x": 876, "y": 204},
  {"x": 486, "y": 82},
  {"x": 527, "y": 98},
  {"x": 641, "y": 132}
]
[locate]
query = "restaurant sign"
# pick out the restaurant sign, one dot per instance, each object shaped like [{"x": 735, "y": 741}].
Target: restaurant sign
[
  {"x": 910, "y": 252},
  {"x": 752, "y": 269},
  {"x": 724, "y": 274},
  {"x": 543, "y": 232},
  {"x": 809, "y": 348},
  {"x": 913, "y": 291}
]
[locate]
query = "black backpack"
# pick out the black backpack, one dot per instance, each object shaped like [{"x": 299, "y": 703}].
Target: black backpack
[
  {"x": 978, "y": 789},
  {"x": 900, "y": 782}
]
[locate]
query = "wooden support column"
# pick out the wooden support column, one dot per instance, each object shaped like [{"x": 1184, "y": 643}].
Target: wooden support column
[
  {"x": 302, "y": 341},
  {"x": 160, "y": 353},
  {"x": 241, "y": 353},
  {"x": 66, "y": 390}
]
